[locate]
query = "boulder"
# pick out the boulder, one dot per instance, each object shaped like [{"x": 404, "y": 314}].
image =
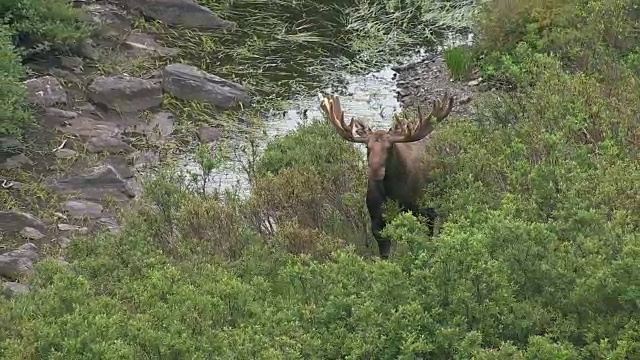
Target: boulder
[
  {"x": 87, "y": 127},
  {"x": 108, "y": 144},
  {"x": 159, "y": 128},
  {"x": 13, "y": 221},
  {"x": 190, "y": 83},
  {"x": 82, "y": 209},
  {"x": 98, "y": 184},
  {"x": 208, "y": 134},
  {"x": 15, "y": 162},
  {"x": 30, "y": 233},
  {"x": 125, "y": 93},
  {"x": 18, "y": 262},
  {"x": 183, "y": 13},
  {"x": 46, "y": 91}
]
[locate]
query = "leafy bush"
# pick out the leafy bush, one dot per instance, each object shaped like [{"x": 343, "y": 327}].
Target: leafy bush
[
  {"x": 315, "y": 177},
  {"x": 42, "y": 25},
  {"x": 538, "y": 257},
  {"x": 14, "y": 112},
  {"x": 589, "y": 36}
]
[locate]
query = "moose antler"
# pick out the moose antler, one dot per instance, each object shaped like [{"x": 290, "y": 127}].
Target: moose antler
[
  {"x": 409, "y": 133},
  {"x": 356, "y": 131}
]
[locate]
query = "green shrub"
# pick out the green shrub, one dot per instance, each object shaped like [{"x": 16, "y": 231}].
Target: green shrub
[
  {"x": 14, "y": 111},
  {"x": 316, "y": 178},
  {"x": 587, "y": 36},
  {"x": 43, "y": 25},
  {"x": 538, "y": 257}
]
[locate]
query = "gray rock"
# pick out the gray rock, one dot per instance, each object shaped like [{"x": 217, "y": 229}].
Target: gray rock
[
  {"x": 107, "y": 223},
  {"x": 10, "y": 147},
  {"x": 112, "y": 145},
  {"x": 63, "y": 242},
  {"x": 61, "y": 113},
  {"x": 99, "y": 183},
  {"x": 14, "y": 221},
  {"x": 18, "y": 262},
  {"x": 75, "y": 228},
  {"x": 82, "y": 209},
  {"x": 15, "y": 162},
  {"x": 209, "y": 134},
  {"x": 71, "y": 62},
  {"x": 12, "y": 289},
  {"x": 160, "y": 127},
  {"x": 86, "y": 127},
  {"x": 46, "y": 91},
  {"x": 184, "y": 13},
  {"x": 146, "y": 45},
  {"x": 111, "y": 21},
  {"x": 31, "y": 234},
  {"x": 190, "y": 83},
  {"x": 65, "y": 153},
  {"x": 125, "y": 93},
  {"x": 143, "y": 159}
]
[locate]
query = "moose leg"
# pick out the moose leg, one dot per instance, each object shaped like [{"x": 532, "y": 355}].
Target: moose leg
[{"x": 375, "y": 201}]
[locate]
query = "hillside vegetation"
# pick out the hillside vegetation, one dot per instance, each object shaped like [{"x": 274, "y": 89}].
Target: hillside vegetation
[{"x": 537, "y": 256}]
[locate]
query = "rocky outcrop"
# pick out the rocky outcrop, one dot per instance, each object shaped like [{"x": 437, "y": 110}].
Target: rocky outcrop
[
  {"x": 19, "y": 262},
  {"x": 45, "y": 91},
  {"x": 12, "y": 221},
  {"x": 420, "y": 82},
  {"x": 190, "y": 83},
  {"x": 98, "y": 184},
  {"x": 125, "y": 93},
  {"x": 183, "y": 13},
  {"x": 79, "y": 209},
  {"x": 108, "y": 144},
  {"x": 87, "y": 127}
]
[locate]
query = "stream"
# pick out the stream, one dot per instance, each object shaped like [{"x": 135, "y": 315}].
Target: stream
[{"x": 371, "y": 96}]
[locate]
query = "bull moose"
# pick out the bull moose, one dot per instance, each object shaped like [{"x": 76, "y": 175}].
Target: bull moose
[{"x": 395, "y": 160}]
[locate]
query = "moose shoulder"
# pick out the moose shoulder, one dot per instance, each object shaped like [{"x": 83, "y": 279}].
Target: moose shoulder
[{"x": 395, "y": 160}]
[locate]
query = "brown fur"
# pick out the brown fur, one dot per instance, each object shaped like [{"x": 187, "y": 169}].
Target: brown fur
[{"x": 397, "y": 162}]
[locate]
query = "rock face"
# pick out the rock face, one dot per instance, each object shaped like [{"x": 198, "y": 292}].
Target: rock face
[
  {"x": 125, "y": 93},
  {"x": 185, "y": 13},
  {"x": 18, "y": 262},
  {"x": 101, "y": 182},
  {"x": 15, "y": 221},
  {"x": 82, "y": 209},
  {"x": 104, "y": 144},
  {"x": 46, "y": 91},
  {"x": 190, "y": 83},
  {"x": 86, "y": 127}
]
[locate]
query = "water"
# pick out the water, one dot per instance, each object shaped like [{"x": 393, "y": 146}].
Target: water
[{"x": 371, "y": 96}]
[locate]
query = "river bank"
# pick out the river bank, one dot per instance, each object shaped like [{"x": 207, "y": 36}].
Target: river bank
[{"x": 104, "y": 127}]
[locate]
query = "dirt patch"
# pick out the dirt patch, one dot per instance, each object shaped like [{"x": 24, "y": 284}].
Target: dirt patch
[{"x": 422, "y": 81}]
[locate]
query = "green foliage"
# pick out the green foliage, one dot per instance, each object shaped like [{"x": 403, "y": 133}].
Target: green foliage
[
  {"x": 586, "y": 36},
  {"x": 14, "y": 113},
  {"x": 459, "y": 61},
  {"x": 35, "y": 26},
  {"x": 315, "y": 177},
  {"x": 43, "y": 25},
  {"x": 538, "y": 256}
]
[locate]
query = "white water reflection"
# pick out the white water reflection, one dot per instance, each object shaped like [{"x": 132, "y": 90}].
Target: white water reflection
[{"x": 371, "y": 97}]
